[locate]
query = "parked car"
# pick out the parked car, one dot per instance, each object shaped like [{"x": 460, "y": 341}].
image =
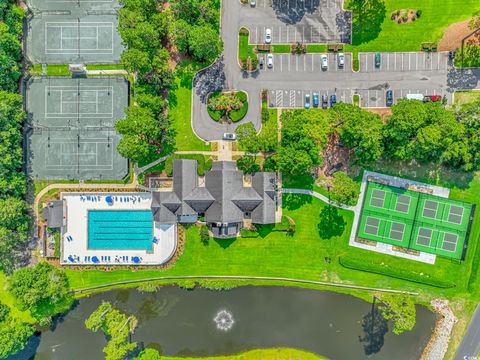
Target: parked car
[
  {"x": 253, "y": 3},
  {"x": 229, "y": 136},
  {"x": 389, "y": 98},
  {"x": 341, "y": 59},
  {"x": 268, "y": 36},
  {"x": 324, "y": 101},
  {"x": 307, "y": 101},
  {"x": 428, "y": 98},
  {"x": 324, "y": 60},
  {"x": 315, "y": 99},
  {"x": 415, "y": 97},
  {"x": 378, "y": 60},
  {"x": 333, "y": 100},
  {"x": 270, "y": 61},
  {"x": 260, "y": 62}
]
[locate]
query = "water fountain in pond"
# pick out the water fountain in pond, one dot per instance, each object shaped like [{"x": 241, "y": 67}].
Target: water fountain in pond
[{"x": 224, "y": 320}]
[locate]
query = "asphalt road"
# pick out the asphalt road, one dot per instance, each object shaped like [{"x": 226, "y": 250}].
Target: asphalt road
[
  {"x": 470, "y": 346},
  {"x": 294, "y": 76}
]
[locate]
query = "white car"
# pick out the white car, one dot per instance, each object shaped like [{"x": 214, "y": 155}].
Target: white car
[
  {"x": 229, "y": 136},
  {"x": 268, "y": 36},
  {"x": 341, "y": 59},
  {"x": 253, "y": 3},
  {"x": 324, "y": 60},
  {"x": 270, "y": 61}
]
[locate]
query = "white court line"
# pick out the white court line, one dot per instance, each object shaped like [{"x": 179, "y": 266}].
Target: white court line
[{"x": 61, "y": 25}]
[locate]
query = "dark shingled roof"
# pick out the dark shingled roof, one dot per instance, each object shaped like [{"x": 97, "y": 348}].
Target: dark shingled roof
[
  {"x": 53, "y": 213},
  {"x": 224, "y": 199}
]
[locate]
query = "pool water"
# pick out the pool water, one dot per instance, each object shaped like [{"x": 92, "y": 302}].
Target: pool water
[{"x": 120, "y": 229}]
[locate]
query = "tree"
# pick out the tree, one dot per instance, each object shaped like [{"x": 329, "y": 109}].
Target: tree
[
  {"x": 401, "y": 309},
  {"x": 421, "y": 131},
  {"x": 136, "y": 61},
  {"x": 248, "y": 165},
  {"x": 465, "y": 154},
  {"x": 149, "y": 354},
  {"x": 116, "y": 326},
  {"x": 344, "y": 190},
  {"x": 4, "y": 311},
  {"x": 42, "y": 289},
  {"x": 294, "y": 161},
  {"x": 204, "y": 43},
  {"x": 179, "y": 32},
  {"x": 204, "y": 235},
  {"x": 144, "y": 136},
  {"x": 247, "y": 137},
  {"x": 359, "y": 130},
  {"x": 13, "y": 336},
  {"x": 13, "y": 213}
]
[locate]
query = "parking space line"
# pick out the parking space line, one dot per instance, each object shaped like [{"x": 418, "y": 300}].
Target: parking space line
[
  {"x": 289, "y": 57},
  {"x": 296, "y": 63},
  {"x": 409, "y": 62},
  {"x": 438, "y": 61},
  {"x": 279, "y": 34},
  {"x": 304, "y": 63},
  {"x": 431, "y": 63},
  {"x": 388, "y": 61},
  {"x": 416, "y": 61},
  {"x": 281, "y": 62},
  {"x": 313, "y": 62}
]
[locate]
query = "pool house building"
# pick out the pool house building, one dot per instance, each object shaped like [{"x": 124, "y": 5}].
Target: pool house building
[{"x": 140, "y": 228}]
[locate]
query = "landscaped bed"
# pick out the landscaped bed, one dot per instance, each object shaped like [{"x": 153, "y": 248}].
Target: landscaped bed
[{"x": 228, "y": 106}]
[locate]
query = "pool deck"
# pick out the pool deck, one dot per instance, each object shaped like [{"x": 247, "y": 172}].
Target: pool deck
[{"x": 76, "y": 228}]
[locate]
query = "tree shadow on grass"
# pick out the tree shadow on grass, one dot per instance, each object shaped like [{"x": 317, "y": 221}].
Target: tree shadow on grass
[
  {"x": 295, "y": 201},
  {"x": 331, "y": 223},
  {"x": 367, "y": 19},
  {"x": 225, "y": 243}
]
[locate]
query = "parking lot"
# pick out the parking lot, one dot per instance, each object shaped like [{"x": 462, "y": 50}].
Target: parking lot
[
  {"x": 404, "y": 61},
  {"x": 371, "y": 98},
  {"x": 307, "y": 21},
  {"x": 308, "y": 63}
]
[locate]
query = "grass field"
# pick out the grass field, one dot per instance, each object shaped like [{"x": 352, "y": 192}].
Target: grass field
[
  {"x": 180, "y": 107},
  {"x": 373, "y": 30},
  {"x": 465, "y": 97},
  {"x": 7, "y": 299},
  {"x": 312, "y": 253},
  {"x": 260, "y": 354}
]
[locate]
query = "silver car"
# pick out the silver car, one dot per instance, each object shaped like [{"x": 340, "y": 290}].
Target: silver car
[
  {"x": 270, "y": 61},
  {"x": 324, "y": 60},
  {"x": 268, "y": 36},
  {"x": 229, "y": 136},
  {"x": 341, "y": 59}
]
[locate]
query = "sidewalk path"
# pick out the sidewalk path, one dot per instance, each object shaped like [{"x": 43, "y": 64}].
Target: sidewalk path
[{"x": 470, "y": 346}]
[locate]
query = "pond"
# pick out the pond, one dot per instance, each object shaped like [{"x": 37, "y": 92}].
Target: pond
[{"x": 191, "y": 322}]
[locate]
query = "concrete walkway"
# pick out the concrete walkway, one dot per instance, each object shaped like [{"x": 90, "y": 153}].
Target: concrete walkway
[
  {"x": 106, "y": 72},
  {"x": 321, "y": 197}
]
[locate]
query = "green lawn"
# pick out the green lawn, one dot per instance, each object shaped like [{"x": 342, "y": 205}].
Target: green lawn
[
  {"x": 373, "y": 30},
  {"x": 180, "y": 107},
  {"x": 260, "y": 354},
  {"x": 7, "y": 299},
  {"x": 464, "y": 97},
  {"x": 312, "y": 253}
]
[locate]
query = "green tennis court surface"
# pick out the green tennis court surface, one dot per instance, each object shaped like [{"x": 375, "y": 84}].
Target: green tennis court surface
[
  {"x": 414, "y": 220},
  {"x": 71, "y": 132}
]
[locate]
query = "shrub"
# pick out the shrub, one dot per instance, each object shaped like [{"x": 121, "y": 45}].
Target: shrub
[
  {"x": 265, "y": 115},
  {"x": 243, "y": 31},
  {"x": 249, "y": 233},
  {"x": 204, "y": 234},
  {"x": 395, "y": 272},
  {"x": 419, "y": 13},
  {"x": 270, "y": 164},
  {"x": 187, "y": 284}
]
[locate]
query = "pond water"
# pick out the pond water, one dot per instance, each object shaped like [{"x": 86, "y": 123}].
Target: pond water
[{"x": 182, "y": 322}]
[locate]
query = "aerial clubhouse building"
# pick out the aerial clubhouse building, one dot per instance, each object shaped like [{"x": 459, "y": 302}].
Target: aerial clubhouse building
[{"x": 225, "y": 199}]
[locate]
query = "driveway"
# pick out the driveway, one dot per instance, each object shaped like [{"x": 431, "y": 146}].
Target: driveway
[{"x": 294, "y": 76}]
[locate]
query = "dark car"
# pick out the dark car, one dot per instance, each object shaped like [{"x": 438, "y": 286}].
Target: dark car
[
  {"x": 333, "y": 100},
  {"x": 261, "y": 62},
  {"x": 389, "y": 98},
  {"x": 378, "y": 59},
  {"x": 324, "y": 101},
  {"x": 315, "y": 99}
]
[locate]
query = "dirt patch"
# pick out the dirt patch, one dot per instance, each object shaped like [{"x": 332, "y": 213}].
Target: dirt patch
[
  {"x": 335, "y": 156},
  {"x": 405, "y": 16},
  {"x": 453, "y": 35},
  {"x": 383, "y": 112}
]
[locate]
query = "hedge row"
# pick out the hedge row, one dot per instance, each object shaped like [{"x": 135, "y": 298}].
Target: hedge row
[{"x": 395, "y": 272}]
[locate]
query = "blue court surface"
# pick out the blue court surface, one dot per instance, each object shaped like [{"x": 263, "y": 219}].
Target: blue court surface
[{"x": 120, "y": 229}]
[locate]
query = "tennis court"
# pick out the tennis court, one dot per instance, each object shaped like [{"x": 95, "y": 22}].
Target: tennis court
[
  {"x": 65, "y": 39},
  {"x": 414, "y": 220},
  {"x": 71, "y": 128}
]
